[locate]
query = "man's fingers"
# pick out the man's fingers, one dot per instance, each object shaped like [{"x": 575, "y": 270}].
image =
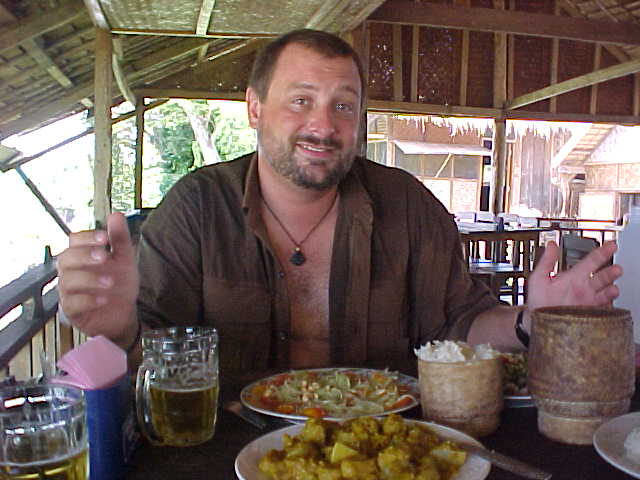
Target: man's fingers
[
  {"x": 547, "y": 262},
  {"x": 85, "y": 238},
  {"x": 606, "y": 276},
  {"x": 82, "y": 257},
  {"x": 595, "y": 259},
  {"x": 75, "y": 306},
  {"x": 119, "y": 237},
  {"x": 607, "y": 295},
  {"x": 84, "y": 281}
]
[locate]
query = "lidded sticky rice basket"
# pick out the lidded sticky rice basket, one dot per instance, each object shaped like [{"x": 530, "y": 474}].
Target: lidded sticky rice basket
[{"x": 581, "y": 369}]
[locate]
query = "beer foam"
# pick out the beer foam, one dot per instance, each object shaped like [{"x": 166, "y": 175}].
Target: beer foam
[
  {"x": 450, "y": 352},
  {"x": 183, "y": 389}
]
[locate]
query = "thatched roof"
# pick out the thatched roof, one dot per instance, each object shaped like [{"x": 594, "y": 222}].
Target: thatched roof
[{"x": 47, "y": 51}]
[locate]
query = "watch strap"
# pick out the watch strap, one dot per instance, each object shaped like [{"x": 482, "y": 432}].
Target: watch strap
[{"x": 522, "y": 335}]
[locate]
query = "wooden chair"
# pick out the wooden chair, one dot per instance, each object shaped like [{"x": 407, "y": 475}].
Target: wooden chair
[
  {"x": 573, "y": 248},
  {"x": 513, "y": 256}
]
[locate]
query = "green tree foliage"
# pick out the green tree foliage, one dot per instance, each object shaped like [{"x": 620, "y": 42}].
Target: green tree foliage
[{"x": 223, "y": 133}]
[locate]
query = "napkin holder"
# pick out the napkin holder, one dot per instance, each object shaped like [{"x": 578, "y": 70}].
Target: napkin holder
[{"x": 110, "y": 412}]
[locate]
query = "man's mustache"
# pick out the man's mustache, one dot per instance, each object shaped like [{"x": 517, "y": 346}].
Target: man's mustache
[{"x": 320, "y": 142}]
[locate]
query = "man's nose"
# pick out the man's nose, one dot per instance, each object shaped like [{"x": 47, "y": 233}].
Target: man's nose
[{"x": 322, "y": 122}]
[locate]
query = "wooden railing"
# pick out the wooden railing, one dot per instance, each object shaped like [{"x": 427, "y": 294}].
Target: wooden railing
[
  {"x": 601, "y": 230},
  {"x": 33, "y": 300}
]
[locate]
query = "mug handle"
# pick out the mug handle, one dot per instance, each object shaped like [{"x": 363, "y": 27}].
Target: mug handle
[{"x": 143, "y": 405}]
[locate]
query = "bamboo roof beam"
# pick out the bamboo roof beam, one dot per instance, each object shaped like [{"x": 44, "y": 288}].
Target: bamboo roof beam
[
  {"x": 97, "y": 15},
  {"x": 204, "y": 17},
  {"x": 85, "y": 89},
  {"x": 367, "y": 10},
  {"x": 483, "y": 112},
  {"x": 586, "y": 80},
  {"x": 612, "y": 49},
  {"x": 507, "y": 21},
  {"x": 40, "y": 23},
  {"x": 118, "y": 72},
  {"x": 44, "y": 61},
  {"x": 319, "y": 17}
]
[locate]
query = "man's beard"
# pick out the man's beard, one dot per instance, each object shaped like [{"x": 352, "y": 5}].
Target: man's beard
[{"x": 281, "y": 157}]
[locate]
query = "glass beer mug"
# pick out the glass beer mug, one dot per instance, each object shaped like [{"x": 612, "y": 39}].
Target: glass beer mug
[
  {"x": 43, "y": 433},
  {"x": 177, "y": 385}
]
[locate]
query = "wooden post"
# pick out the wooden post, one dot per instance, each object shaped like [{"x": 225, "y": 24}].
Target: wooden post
[
  {"x": 555, "y": 55},
  {"x": 359, "y": 39},
  {"x": 415, "y": 46},
  {"x": 140, "y": 109},
  {"x": 593, "y": 104},
  {"x": 496, "y": 203},
  {"x": 636, "y": 94},
  {"x": 398, "y": 95},
  {"x": 499, "y": 64},
  {"x": 103, "y": 81},
  {"x": 499, "y": 157}
]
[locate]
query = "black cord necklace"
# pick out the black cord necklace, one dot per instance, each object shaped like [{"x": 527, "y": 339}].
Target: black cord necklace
[{"x": 298, "y": 258}]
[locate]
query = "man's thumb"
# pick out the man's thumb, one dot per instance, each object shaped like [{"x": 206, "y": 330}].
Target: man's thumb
[{"x": 119, "y": 237}]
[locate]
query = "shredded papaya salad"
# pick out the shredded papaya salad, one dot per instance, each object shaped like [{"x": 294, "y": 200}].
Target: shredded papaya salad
[{"x": 334, "y": 393}]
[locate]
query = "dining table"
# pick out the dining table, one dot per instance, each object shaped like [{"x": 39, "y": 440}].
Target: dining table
[{"x": 517, "y": 436}]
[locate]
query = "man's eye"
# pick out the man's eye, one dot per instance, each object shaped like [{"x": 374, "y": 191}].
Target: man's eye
[
  {"x": 299, "y": 101},
  {"x": 344, "y": 107}
]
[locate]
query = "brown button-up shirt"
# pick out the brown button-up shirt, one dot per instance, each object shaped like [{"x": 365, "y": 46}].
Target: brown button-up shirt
[{"x": 398, "y": 278}]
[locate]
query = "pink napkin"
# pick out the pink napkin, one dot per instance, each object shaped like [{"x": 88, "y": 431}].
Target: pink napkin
[{"x": 98, "y": 363}]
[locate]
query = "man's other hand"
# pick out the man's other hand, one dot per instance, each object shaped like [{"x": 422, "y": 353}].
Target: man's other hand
[{"x": 586, "y": 283}]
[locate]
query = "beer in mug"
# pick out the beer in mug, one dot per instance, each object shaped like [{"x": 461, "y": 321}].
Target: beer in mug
[{"x": 177, "y": 386}]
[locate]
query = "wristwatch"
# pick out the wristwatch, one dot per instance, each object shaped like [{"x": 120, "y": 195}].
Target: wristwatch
[{"x": 522, "y": 335}]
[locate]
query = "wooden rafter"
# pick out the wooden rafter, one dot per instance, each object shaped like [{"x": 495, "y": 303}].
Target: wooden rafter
[
  {"x": 39, "y": 55},
  {"x": 29, "y": 117},
  {"x": 326, "y": 13},
  {"x": 118, "y": 72},
  {"x": 369, "y": 7},
  {"x": 481, "y": 112},
  {"x": 185, "y": 93},
  {"x": 506, "y": 21},
  {"x": 98, "y": 17},
  {"x": 204, "y": 17},
  {"x": 43, "y": 60},
  {"x": 39, "y": 24},
  {"x": 188, "y": 46},
  {"x": 586, "y": 80}
]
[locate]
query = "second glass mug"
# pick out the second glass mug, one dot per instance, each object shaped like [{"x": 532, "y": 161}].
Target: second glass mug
[
  {"x": 177, "y": 385},
  {"x": 43, "y": 433}
]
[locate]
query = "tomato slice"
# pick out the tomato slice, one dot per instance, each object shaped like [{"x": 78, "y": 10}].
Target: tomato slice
[
  {"x": 270, "y": 401},
  {"x": 403, "y": 401},
  {"x": 315, "y": 412}
]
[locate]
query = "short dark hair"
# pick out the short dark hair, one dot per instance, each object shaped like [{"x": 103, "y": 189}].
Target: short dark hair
[{"x": 321, "y": 42}]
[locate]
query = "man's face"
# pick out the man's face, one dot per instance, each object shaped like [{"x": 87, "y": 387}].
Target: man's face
[{"x": 308, "y": 124}]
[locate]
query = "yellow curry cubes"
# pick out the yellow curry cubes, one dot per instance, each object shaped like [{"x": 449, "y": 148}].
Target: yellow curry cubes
[{"x": 364, "y": 448}]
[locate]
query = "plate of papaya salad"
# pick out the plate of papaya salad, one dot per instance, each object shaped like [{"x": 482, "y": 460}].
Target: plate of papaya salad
[{"x": 332, "y": 393}]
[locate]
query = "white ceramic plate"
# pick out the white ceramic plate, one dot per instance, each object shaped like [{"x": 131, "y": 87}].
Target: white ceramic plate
[
  {"x": 246, "y": 464},
  {"x": 609, "y": 442},
  {"x": 247, "y": 399}
]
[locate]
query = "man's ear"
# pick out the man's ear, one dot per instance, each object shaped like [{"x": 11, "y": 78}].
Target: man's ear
[{"x": 253, "y": 107}]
